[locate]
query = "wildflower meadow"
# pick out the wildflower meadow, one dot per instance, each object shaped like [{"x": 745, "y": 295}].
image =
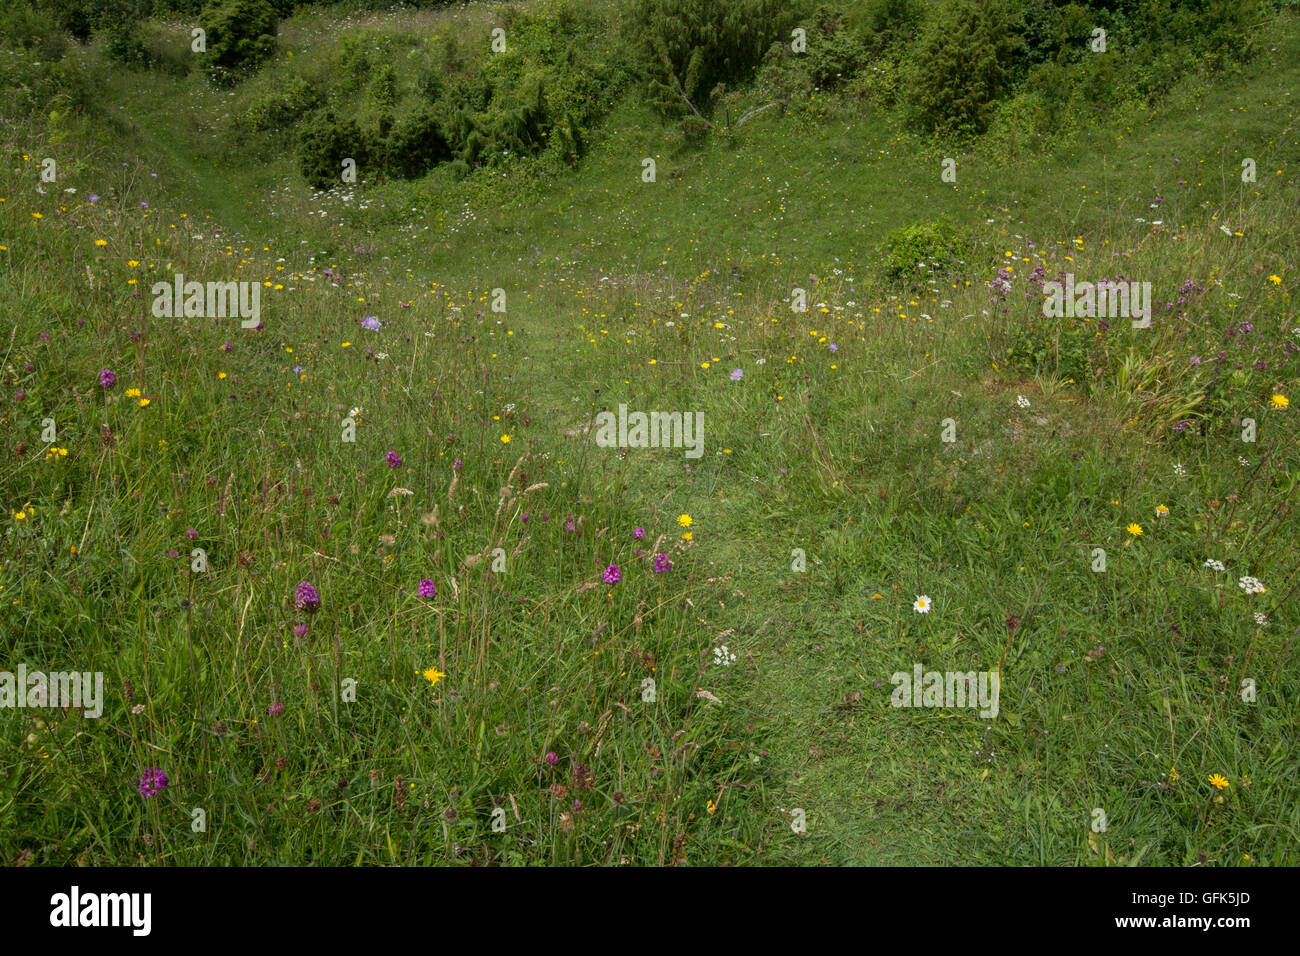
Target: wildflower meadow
[{"x": 486, "y": 434}]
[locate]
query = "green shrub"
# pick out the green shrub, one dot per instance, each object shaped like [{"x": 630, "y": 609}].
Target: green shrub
[
  {"x": 416, "y": 144},
  {"x": 965, "y": 62},
  {"x": 281, "y": 108},
  {"x": 915, "y": 253},
  {"x": 240, "y": 34},
  {"x": 324, "y": 141},
  {"x": 687, "y": 47}
]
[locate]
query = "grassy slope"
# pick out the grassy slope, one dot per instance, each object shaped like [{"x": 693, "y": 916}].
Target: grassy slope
[{"x": 844, "y": 463}]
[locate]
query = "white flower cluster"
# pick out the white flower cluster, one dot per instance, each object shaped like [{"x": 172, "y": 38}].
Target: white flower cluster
[
  {"x": 1022, "y": 401},
  {"x": 723, "y": 657},
  {"x": 1251, "y": 585},
  {"x": 1216, "y": 565}
]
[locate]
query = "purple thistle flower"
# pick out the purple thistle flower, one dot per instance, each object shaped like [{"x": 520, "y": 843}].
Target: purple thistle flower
[
  {"x": 613, "y": 575},
  {"x": 394, "y": 460},
  {"x": 639, "y": 533},
  {"x": 107, "y": 379},
  {"x": 662, "y": 564},
  {"x": 276, "y": 709},
  {"x": 427, "y": 588},
  {"x": 152, "y": 783},
  {"x": 306, "y": 598}
]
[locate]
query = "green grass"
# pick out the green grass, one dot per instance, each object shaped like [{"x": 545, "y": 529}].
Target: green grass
[{"x": 621, "y": 291}]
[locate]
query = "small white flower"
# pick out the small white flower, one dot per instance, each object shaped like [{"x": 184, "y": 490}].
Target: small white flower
[
  {"x": 723, "y": 657},
  {"x": 1251, "y": 585},
  {"x": 1216, "y": 565},
  {"x": 1261, "y": 618},
  {"x": 1022, "y": 401},
  {"x": 1244, "y": 462},
  {"x": 922, "y": 604},
  {"x": 1180, "y": 471}
]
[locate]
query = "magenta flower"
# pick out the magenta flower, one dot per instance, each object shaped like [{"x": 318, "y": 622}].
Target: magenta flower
[
  {"x": 639, "y": 533},
  {"x": 613, "y": 575},
  {"x": 394, "y": 460},
  {"x": 152, "y": 783},
  {"x": 306, "y": 598},
  {"x": 107, "y": 379},
  {"x": 300, "y": 630},
  {"x": 427, "y": 588},
  {"x": 191, "y": 533},
  {"x": 276, "y": 709},
  {"x": 551, "y": 758},
  {"x": 662, "y": 564}
]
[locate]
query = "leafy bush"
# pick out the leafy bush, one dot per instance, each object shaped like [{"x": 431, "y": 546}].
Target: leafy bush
[
  {"x": 964, "y": 64},
  {"x": 917, "y": 252},
  {"x": 240, "y": 34},
  {"x": 324, "y": 141},
  {"x": 416, "y": 144},
  {"x": 688, "y": 47},
  {"x": 281, "y": 108}
]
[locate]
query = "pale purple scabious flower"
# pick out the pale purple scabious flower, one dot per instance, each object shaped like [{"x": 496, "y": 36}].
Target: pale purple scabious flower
[
  {"x": 370, "y": 322},
  {"x": 276, "y": 709},
  {"x": 306, "y": 598},
  {"x": 107, "y": 379},
  {"x": 736, "y": 374},
  {"x": 662, "y": 564},
  {"x": 613, "y": 575},
  {"x": 833, "y": 347},
  {"x": 427, "y": 588},
  {"x": 639, "y": 533},
  {"x": 394, "y": 460},
  {"x": 152, "y": 783}
]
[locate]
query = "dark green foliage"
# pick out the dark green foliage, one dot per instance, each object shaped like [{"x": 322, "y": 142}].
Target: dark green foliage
[
  {"x": 688, "y": 47},
  {"x": 324, "y": 141},
  {"x": 240, "y": 34},
  {"x": 964, "y": 64},
  {"x": 914, "y": 253},
  {"x": 416, "y": 144},
  {"x": 283, "y": 107}
]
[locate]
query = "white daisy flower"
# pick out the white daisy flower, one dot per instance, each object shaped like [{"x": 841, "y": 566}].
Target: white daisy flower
[{"x": 922, "y": 604}]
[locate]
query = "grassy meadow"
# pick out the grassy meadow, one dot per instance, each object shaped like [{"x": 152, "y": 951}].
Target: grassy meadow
[{"x": 724, "y": 698}]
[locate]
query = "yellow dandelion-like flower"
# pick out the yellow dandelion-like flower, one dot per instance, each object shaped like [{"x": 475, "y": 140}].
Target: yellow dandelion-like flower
[
  {"x": 144, "y": 402},
  {"x": 1135, "y": 529},
  {"x": 505, "y": 439},
  {"x": 704, "y": 365},
  {"x": 346, "y": 344},
  {"x": 1279, "y": 401},
  {"x": 132, "y": 393},
  {"x": 687, "y": 536},
  {"x": 433, "y": 675},
  {"x": 101, "y": 242},
  {"x": 19, "y": 516},
  {"x": 221, "y": 375},
  {"x": 877, "y": 596},
  {"x": 684, "y": 520},
  {"x": 1276, "y": 280},
  {"x": 1219, "y": 781}
]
